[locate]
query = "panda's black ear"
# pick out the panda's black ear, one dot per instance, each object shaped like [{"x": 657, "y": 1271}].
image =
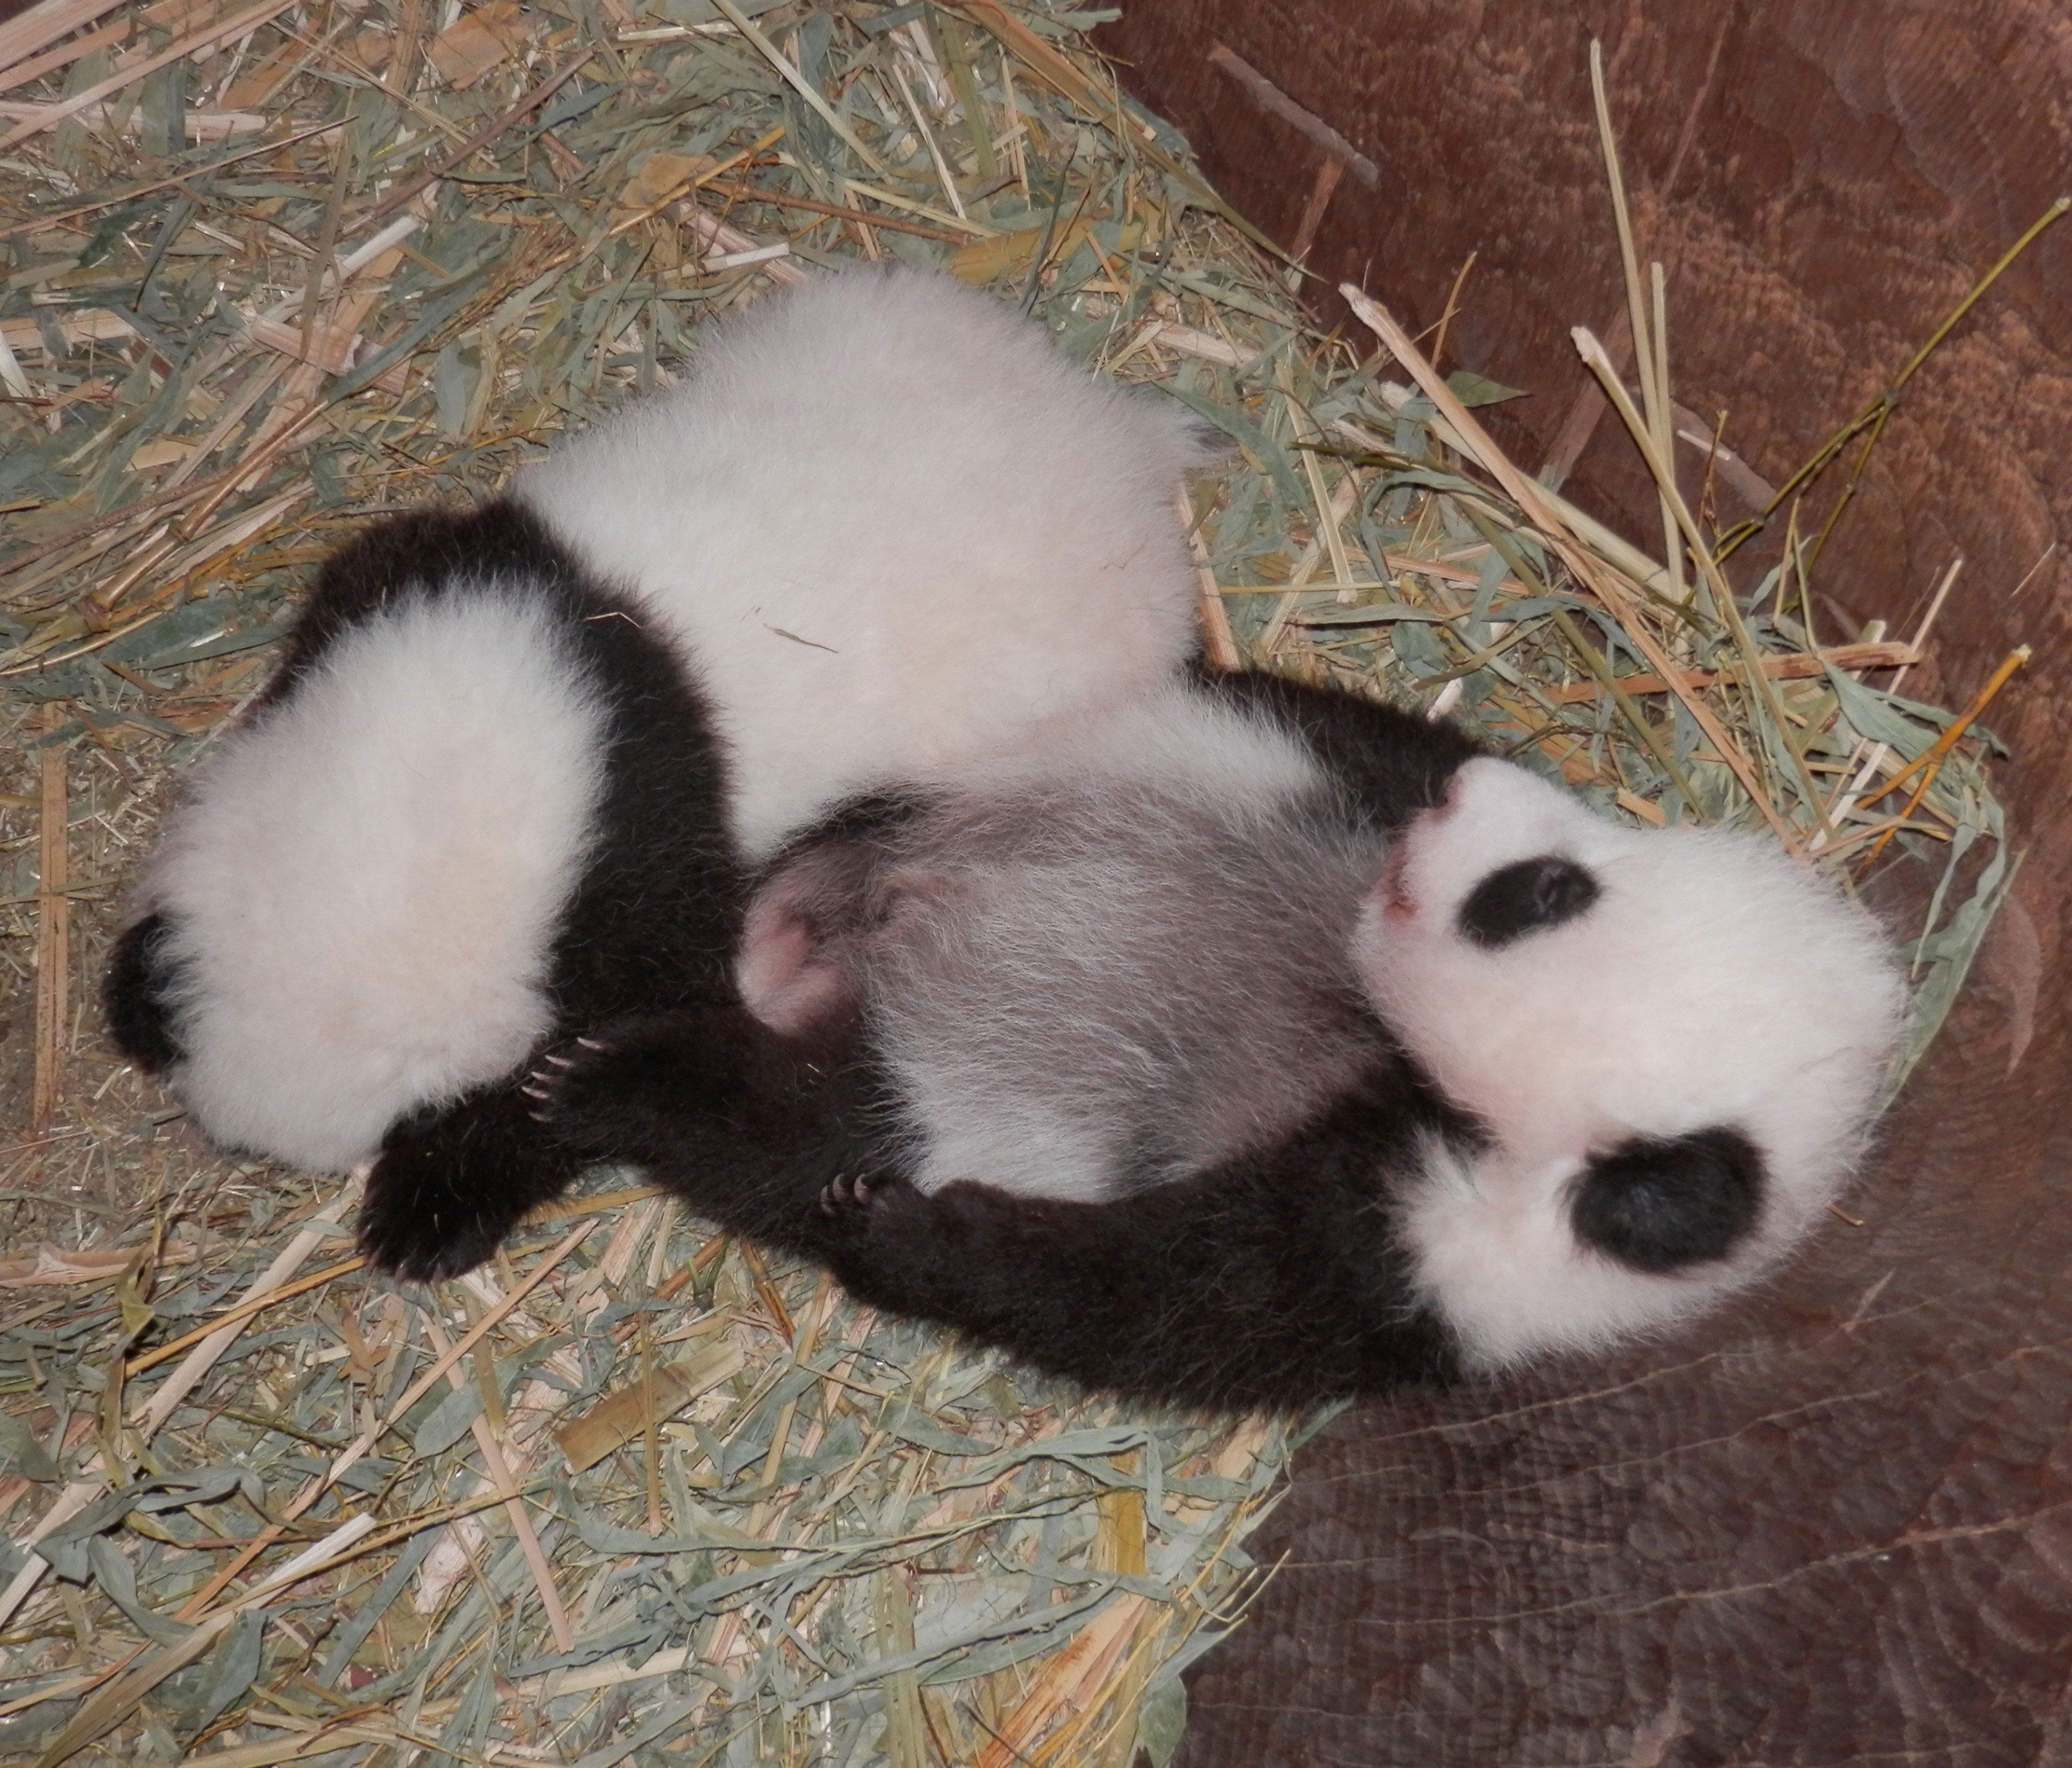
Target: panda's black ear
[
  {"x": 1658, "y": 1205},
  {"x": 137, "y": 995},
  {"x": 1524, "y": 898}
]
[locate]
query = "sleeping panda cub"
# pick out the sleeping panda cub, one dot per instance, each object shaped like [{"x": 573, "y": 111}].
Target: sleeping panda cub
[
  {"x": 501, "y": 787},
  {"x": 1265, "y": 1045}
]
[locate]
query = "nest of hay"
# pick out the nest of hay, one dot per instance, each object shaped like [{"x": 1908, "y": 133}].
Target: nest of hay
[{"x": 631, "y": 1492}]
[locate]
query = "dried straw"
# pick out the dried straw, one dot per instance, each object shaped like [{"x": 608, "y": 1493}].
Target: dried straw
[{"x": 632, "y": 1493}]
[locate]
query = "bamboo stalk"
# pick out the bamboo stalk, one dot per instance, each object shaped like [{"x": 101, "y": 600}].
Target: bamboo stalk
[
  {"x": 1726, "y": 605},
  {"x": 53, "y": 929},
  {"x": 514, "y": 1506},
  {"x": 198, "y": 1604},
  {"x": 250, "y": 19},
  {"x": 36, "y": 27},
  {"x": 798, "y": 83},
  {"x": 1331, "y": 511},
  {"x": 1880, "y": 754},
  {"x": 1873, "y": 417},
  {"x": 251, "y": 1304},
  {"x": 1932, "y": 759},
  {"x": 892, "y": 224},
  {"x": 1795, "y": 666},
  {"x": 1664, "y": 420},
  {"x": 1650, "y": 353},
  {"x": 65, "y": 55},
  {"x": 482, "y": 137}
]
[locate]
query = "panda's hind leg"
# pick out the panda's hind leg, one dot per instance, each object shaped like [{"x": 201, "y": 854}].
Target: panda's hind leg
[{"x": 449, "y": 1185}]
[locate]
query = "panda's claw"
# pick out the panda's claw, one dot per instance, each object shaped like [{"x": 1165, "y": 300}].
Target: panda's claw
[{"x": 845, "y": 1192}]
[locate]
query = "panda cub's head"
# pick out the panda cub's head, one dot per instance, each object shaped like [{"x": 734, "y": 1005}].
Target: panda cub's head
[{"x": 1674, "y": 1037}]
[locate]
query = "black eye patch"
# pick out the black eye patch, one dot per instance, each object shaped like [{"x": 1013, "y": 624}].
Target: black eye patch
[
  {"x": 1658, "y": 1205},
  {"x": 1526, "y": 897}
]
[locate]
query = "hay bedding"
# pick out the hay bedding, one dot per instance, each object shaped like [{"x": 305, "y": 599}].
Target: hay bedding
[{"x": 629, "y": 1493}]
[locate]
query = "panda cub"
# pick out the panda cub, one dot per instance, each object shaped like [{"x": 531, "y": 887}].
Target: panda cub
[
  {"x": 1261, "y": 1046},
  {"x": 502, "y": 786}
]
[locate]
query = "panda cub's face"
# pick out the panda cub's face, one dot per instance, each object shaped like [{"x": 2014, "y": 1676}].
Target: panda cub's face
[{"x": 1674, "y": 1037}]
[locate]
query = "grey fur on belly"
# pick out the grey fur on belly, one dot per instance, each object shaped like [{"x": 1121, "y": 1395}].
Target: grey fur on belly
[{"x": 1082, "y": 986}]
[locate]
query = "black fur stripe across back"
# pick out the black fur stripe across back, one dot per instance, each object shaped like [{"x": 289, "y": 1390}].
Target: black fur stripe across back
[
  {"x": 652, "y": 922},
  {"x": 1392, "y": 763},
  {"x": 658, "y": 909}
]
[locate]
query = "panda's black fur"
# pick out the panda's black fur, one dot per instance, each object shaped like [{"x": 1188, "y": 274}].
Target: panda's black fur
[
  {"x": 136, "y": 995},
  {"x": 1273, "y": 1278}
]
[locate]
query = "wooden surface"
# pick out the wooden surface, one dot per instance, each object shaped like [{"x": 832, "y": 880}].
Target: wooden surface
[{"x": 1836, "y": 1526}]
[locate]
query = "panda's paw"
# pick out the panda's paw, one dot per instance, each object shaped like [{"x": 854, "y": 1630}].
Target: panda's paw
[
  {"x": 579, "y": 1090},
  {"x": 453, "y": 1179},
  {"x": 862, "y": 1214},
  {"x": 415, "y": 1225},
  {"x": 615, "y": 1093},
  {"x": 557, "y": 1086}
]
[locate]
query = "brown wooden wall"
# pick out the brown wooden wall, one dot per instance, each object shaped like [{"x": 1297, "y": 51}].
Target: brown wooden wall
[{"x": 1838, "y": 1526}]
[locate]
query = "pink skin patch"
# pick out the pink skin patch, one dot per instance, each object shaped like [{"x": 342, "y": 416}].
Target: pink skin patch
[
  {"x": 1392, "y": 891},
  {"x": 782, "y": 978}
]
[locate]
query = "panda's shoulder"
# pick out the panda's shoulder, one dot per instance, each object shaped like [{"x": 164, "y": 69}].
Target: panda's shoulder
[
  {"x": 423, "y": 556},
  {"x": 1393, "y": 763}
]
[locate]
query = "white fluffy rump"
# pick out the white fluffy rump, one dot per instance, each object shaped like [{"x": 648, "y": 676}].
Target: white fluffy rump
[
  {"x": 363, "y": 882},
  {"x": 1715, "y": 982},
  {"x": 896, "y": 528}
]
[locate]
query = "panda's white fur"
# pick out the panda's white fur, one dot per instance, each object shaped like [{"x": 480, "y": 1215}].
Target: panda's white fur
[
  {"x": 363, "y": 885},
  {"x": 898, "y": 530},
  {"x": 1714, "y": 981}
]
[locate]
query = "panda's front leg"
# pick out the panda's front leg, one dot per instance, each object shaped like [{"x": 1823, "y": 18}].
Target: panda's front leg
[
  {"x": 747, "y": 1127},
  {"x": 1264, "y": 1283}
]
